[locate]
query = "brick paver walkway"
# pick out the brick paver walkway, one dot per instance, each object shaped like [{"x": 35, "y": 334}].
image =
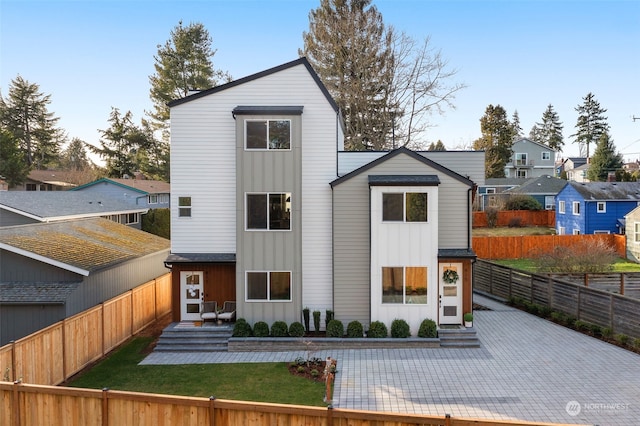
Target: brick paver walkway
[{"x": 526, "y": 368}]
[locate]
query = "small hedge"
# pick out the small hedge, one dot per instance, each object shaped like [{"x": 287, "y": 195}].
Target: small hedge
[
  {"x": 377, "y": 330},
  {"x": 355, "y": 329},
  {"x": 400, "y": 329},
  {"x": 316, "y": 320},
  {"x": 279, "y": 329},
  {"x": 241, "y": 328},
  {"x": 296, "y": 329},
  {"x": 428, "y": 329},
  {"x": 335, "y": 328},
  {"x": 261, "y": 329}
]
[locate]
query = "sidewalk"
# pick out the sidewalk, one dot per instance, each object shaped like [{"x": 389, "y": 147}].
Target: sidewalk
[{"x": 526, "y": 369}]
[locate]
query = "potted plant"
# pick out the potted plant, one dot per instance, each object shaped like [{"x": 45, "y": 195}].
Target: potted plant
[{"x": 468, "y": 319}]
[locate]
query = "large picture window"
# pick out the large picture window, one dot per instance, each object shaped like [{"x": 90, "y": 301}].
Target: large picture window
[
  {"x": 404, "y": 285},
  {"x": 269, "y": 286},
  {"x": 268, "y": 134},
  {"x": 404, "y": 207},
  {"x": 270, "y": 211}
]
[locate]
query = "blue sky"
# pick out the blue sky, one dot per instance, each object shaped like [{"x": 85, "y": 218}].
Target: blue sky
[{"x": 94, "y": 55}]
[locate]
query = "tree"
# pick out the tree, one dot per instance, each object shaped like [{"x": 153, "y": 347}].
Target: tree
[
  {"x": 13, "y": 166},
  {"x": 152, "y": 157},
  {"x": 605, "y": 160},
  {"x": 549, "y": 131},
  {"x": 438, "y": 146},
  {"x": 515, "y": 122},
  {"x": 386, "y": 84},
  {"x": 74, "y": 157},
  {"x": 24, "y": 113},
  {"x": 591, "y": 124},
  {"x": 182, "y": 64},
  {"x": 497, "y": 139}
]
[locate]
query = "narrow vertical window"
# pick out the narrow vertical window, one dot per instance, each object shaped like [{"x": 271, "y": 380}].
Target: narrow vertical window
[{"x": 184, "y": 206}]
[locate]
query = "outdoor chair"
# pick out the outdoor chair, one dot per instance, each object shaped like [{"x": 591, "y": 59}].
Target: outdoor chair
[
  {"x": 228, "y": 311},
  {"x": 209, "y": 310}
]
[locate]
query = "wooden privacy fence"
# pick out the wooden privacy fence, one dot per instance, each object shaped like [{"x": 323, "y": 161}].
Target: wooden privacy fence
[
  {"x": 529, "y": 245},
  {"x": 600, "y": 307},
  {"x": 22, "y": 404},
  {"x": 526, "y": 218},
  {"x": 53, "y": 354}
]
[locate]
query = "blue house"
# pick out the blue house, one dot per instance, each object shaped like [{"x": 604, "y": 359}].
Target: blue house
[
  {"x": 152, "y": 194},
  {"x": 595, "y": 207}
]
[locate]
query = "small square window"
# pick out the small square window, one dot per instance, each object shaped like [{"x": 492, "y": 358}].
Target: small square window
[
  {"x": 184, "y": 206},
  {"x": 546, "y": 155},
  {"x": 602, "y": 207}
]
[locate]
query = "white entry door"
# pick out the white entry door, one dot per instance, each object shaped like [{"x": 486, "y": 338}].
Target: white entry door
[
  {"x": 450, "y": 298},
  {"x": 190, "y": 295}
]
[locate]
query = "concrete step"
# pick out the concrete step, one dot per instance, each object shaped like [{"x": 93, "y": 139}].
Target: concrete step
[
  {"x": 458, "y": 337},
  {"x": 190, "y": 348}
]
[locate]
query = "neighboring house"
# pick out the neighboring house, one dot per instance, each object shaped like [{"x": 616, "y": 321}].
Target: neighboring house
[
  {"x": 51, "y": 271},
  {"x": 632, "y": 232},
  {"x": 24, "y": 207},
  {"x": 576, "y": 168},
  {"x": 530, "y": 159},
  {"x": 47, "y": 180},
  {"x": 152, "y": 194},
  {"x": 294, "y": 222},
  {"x": 492, "y": 193},
  {"x": 595, "y": 207},
  {"x": 543, "y": 189}
]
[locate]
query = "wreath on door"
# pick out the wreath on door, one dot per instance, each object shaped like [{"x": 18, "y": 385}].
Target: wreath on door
[{"x": 450, "y": 276}]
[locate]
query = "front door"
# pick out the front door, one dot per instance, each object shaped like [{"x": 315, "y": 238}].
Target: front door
[
  {"x": 450, "y": 299},
  {"x": 190, "y": 295}
]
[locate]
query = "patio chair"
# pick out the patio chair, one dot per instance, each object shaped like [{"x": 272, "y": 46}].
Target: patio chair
[
  {"x": 209, "y": 310},
  {"x": 228, "y": 311}
]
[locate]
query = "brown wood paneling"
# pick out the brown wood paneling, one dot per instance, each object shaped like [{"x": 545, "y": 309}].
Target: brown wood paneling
[{"x": 219, "y": 283}]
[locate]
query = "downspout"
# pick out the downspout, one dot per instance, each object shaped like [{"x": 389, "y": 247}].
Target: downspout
[{"x": 469, "y": 218}]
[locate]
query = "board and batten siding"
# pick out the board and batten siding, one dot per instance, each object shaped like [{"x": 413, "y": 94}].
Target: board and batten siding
[
  {"x": 203, "y": 162},
  {"x": 352, "y": 282}
]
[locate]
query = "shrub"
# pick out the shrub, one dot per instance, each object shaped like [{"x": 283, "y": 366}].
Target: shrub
[
  {"x": 157, "y": 222},
  {"x": 377, "y": 330},
  {"x": 636, "y": 342},
  {"x": 557, "y": 317},
  {"x": 315, "y": 373},
  {"x": 335, "y": 328},
  {"x": 301, "y": 369},
  {"x": 355, "y": 329},
  {"x": 261, "y": 329},
  {"x": 623, "y": 339},
  {"x": 279, "y": 329},
  {"x": 296, "y": 329},
  {"x": 522, "y": 202},
  {"x": 607, "y": 332},
  {"x": 515, "y": 222},
  {"x": 400, "y": 329},
  {"x": 328, "y": 316},
  {"x": 305, "y": 317},
  {"x": 544, "y": 311},
  {"x": 241, "y": 328},
  {"x": 316, "y": 320},
  {"x": 582, "y": 325},
  {"x": 492, "y": 216},
  {"x": 582, "y": 257},
  {"x": 428, "y": 329},
  {"x": 595, "y": 330}
]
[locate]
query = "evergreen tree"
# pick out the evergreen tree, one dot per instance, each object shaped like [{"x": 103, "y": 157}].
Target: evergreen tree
[
  {"x": 496, "y": 140},
  {"x": 591, "y": 124},
  {"x": 605, "y": 160},
  {"x": 74, "y": 157},
  {"x": 182, "y": 64},
  {"x": 24, "y": 113},
  {"x": 438, "y": 146},
  {"x": 13, "y": 167},
  {"x": 351, "y": 51},
  {"x": 515, "y": 122},
  {"x": 549, "y": 131}
]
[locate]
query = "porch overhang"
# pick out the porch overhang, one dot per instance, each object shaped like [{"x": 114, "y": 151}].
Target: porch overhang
[
  {"x": 456, "y": 254},
  {"x": 174, "y": 258}
]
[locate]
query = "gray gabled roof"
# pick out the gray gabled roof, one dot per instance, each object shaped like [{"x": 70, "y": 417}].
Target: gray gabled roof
[
  {"x": 80, "y": 246},
  {"x": 495, "y": 182},
  {"x": 541, "y": 185},
  {"x": 608, "y": 191},
  {"x": 18, "y": 293},
  {"x": 46, "y": 206}
]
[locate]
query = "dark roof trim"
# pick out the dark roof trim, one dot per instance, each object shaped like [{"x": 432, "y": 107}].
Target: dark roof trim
[
  {"x": 96, "y": 182},
  {"x": 404, "y": 180},
  {"x": 201, "y": 258},
  {"x": 300, "y": 61},
  {"x": 414, "y": 155},
  {"x": 267, "y": 110},
  {"x": 456, "y": 254}
]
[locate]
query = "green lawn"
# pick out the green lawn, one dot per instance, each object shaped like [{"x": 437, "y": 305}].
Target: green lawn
[
  {"x": 529, "y": 265},
  {"x": 263, "y": 382},
  {"x": 505, "y": 231}
]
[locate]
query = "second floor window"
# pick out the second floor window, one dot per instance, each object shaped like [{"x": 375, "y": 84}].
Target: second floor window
[
  {"x": 404, "y": 207},
  {"x": 521, "y": 159},
  {"x": 268, "y": 134},
  {"x": 184, "y": 206},
  {"x": 270, "y": 211},
  {"x": 561, "y": 207},
  {"x": 576, "y": 207}
]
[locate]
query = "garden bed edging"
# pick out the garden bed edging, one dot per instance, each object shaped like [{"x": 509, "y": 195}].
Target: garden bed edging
[{"x": 286, "y": 344}]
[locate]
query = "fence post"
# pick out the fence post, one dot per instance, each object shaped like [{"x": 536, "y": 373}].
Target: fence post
[
  {"x": 212, "y": 410},
  {"x": 64, "y": 348},
  {"x": 550, "y": 292},
  {"x": 490, "y": 279},
  {"x": 510, "y": 281},
  {"x": 330, "y": 415},
  {"x": 622, "y": 279},
  {"x": 586, "y": 280},
  {"x": 13, "y": 360},
  {"x": 16, "y": 403},
  {"x": 578, "y": 304},
  {"x": 105, "y": 407},
  {"x": 531, "y": 288}
]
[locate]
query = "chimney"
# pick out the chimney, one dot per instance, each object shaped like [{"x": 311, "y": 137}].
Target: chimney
[{"x": 611, "y": 177}]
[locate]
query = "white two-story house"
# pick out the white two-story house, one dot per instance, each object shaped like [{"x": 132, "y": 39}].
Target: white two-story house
[{"x": 269, "y": 211}]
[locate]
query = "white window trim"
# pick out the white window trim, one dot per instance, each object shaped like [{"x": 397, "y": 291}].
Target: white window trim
[
  {"x": 522, "y": 155},
  {"x": 267, "y": 229},
  {"x": 189, "y": 207},
  {"x": 543, "y": 153},
  {"x": 573, "y": 208},
  {"x": 561, "y": 207},
  {"x": 153, "y": 197},
  {"x": 404, "y": 207},
  {"x": 490, "y": 191},
  {"x": 268, "y": 120},
  {"x": 246, "y": 287},
  {"x": 601, "y": 232},
  {"x": 562, "y": 230},
  {"x": 604, "y": 207},
  {"x": 404, "y": 287},
  {"x": 636, "y": 232},
  {"x": 576, "y": 232}
]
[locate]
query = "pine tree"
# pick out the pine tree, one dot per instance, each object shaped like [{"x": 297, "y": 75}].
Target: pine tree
[
  {"x": 591, "y": 124},
  {"x": 497, "y": 140},
  {"x": 515, "y": 123},
  {"x": 605, "y": 160},
  {"x": 24, "y": 113},
  {"x": 74, "y": 157},
  {"x": 13, "y": 166},
  {"x": 438, "y": 146},
  {"x": 549, "y": 131}
]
